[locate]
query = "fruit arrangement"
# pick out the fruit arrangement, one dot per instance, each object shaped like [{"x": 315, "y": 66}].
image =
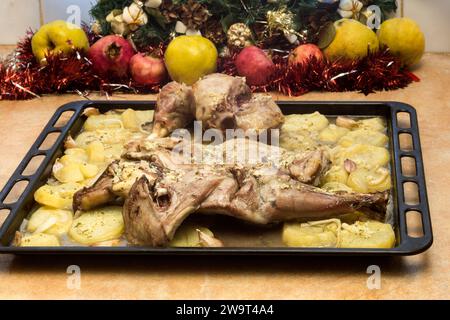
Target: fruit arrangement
[{"x": 287, "y": 46}]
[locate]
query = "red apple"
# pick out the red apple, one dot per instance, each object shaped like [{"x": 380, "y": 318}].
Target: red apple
[
  {"x": 147, "y": 70},
  {"x": 254, "y": 64},
  {"x": 111, "y": 56},
  {"x": 303, "y": 54}
]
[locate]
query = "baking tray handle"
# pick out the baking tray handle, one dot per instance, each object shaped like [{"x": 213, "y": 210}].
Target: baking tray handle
[
  {"x": 412, "y": 245},
  {"x": 37, "y": 149}
]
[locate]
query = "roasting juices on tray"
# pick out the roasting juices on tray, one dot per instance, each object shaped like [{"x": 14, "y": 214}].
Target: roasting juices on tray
[{"x": 135, "y": 178}]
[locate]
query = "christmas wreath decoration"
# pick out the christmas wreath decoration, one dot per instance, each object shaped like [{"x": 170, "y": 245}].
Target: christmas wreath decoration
[{"x": 298, "y": 45}]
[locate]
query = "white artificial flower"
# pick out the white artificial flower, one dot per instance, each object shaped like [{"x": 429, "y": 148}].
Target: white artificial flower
[
  {"x": 153, "y": 3},
  {"x": 118, "y": 26},
  {"x": 134, "y": 16},
  {"x": 350, "y": 8}
]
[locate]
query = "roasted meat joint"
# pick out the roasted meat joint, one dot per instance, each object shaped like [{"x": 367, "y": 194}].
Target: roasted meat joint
[{"x": 300, "y": 180}]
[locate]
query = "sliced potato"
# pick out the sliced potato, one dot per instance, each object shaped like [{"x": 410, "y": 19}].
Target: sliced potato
[
  {"x": 311, "y": 234},
  {"x": 103, "y": 122},
  {"x": 95, "y": 152},
  {"x": 70, "y": 172},
  {"x": 364, "y": 136},
  {"x": 375, "y": 124},
  {"x": 39, "y": 240},
  {"x": 187, "y": 236},
  {"x": 144, "y": 116},
  {"x": 309, "y": 122},
  {"x": 336, "y": 174},
  {"x": 369, "y": 234},
  {"x": 332, "y": 133},
  {"x": 50, "y": 220},
  {"x": 58, "y": 196},
  {"x": 130, "y": 120},
  {"x": 69, "y": 159},
  {"x": 365, "y": 156},
  {"x": 88, "y": 170},
  {"x": 297, "y": 141},
  {"x": 113, "y": 151},
  {"x": 97, "y": 226},
  {"x": 77, "y": 154},
  {"x": 369, "y": 181},
  {"x": 105, "y": 136}
]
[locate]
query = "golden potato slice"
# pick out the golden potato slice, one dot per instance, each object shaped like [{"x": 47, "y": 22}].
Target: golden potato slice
[
  {"x": 332, "y": 134},
  {"x": 297, "y": 141},
  {"x": 364, "y": 136},
  {"x": 375, "y": 124},
  {"x": 98, "y": 225},
  {"x": 379, "y": 180},
  {"x": 50, "y": 220},
  {"x": 336, "y": 174},
  {"x": 313, "y": 122},
  {"x": 369, "y": 234},
  {"x": 130, "y": 120},
  {"x": 311, "y": 234},
  {"x": 88, "y": 170},
  {"x": 70, "y": 172},
  {"x": 76, "y": 154},
  {"x": 95, "y": 152},
  {"x": 187, "y": 236},
  {"x": 369, "y": 181},
  {"x": 365, "y": 156},
  {"x": 144, "y": 116},
  {"x": 39, "y": 240},
  {"x": 105, "y": 136},
  {"x": 103, "y": 122},
  {"x": 357, "y": 180},
  {"x": 113, "y": 151},
  {"x": 58, "y": 196}
]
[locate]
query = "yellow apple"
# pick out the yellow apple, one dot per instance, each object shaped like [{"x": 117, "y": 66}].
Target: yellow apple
[{"x": 58, "y": 37}]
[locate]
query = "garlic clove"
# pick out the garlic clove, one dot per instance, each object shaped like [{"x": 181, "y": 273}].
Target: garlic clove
[{"x": 349, "y": 165}]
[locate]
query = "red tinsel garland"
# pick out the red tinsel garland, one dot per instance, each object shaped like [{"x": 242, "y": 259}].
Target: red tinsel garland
[
  {"x": 376, "y": 72},
  {"x": 22, "y": 77}
]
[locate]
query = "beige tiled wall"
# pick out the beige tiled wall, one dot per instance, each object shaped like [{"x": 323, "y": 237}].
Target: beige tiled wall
[
  {"x": 18, "y": 15},
  {"x": 433, "y": 17}
]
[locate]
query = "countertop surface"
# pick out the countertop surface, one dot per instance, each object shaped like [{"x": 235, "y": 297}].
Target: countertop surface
[{"x": 423, "y": 276}]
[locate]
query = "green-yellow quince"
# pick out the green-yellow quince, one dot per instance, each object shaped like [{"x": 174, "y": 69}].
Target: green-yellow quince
[{"x": 58, "y": 37}]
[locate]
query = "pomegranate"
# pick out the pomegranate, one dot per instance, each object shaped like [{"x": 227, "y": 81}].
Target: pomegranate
[
  {"x": 303, "y": 53},
  {"x": 147, "y": 70},
  {"x": 111, "y": 56}
]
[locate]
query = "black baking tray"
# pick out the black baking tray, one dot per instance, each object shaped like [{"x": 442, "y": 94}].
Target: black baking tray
[{"x": 406, "y": 245}]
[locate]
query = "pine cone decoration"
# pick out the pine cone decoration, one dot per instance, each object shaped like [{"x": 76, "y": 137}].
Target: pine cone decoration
[
  {"x": 239, "y": 35},
  {"x": 213, "y": 31},
  {"x": 169, "y": 11},
  {"x": 193, "y": 14}
]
